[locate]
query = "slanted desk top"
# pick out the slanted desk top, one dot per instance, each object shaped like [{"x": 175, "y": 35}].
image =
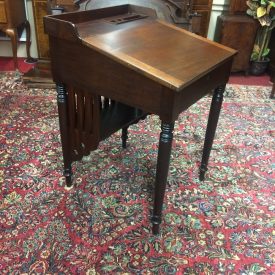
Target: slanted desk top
[
  {"x": 172, "y": 56},
  {"x": 139, "y": 65}
]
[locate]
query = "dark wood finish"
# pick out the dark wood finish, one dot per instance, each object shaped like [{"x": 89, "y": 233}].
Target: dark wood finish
[
  {"x": 211, "y": 128},
  {"x": 13, "y": 16},
  {"x": 238, "y": 7},
  {"x": 237, "y": 32},
  {"x": 124, "y": 136},
  {"x": 40, "y": 9},
  {"x": 272, "y": 62},
  {"x": 203, "y": 7},
  {"x": 165, "y": 10},
  {"x": 272, "y": 94},
  {"x": 165, "y": 146},
  {"x": 143, "y": 66},
  {"x": 176, "y": 12},
  {"x": 64, "y": 129},
  {"x": 272, "y": 54}
]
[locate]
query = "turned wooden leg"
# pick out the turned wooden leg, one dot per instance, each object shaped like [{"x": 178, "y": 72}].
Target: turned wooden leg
[
  {"x": 211, "y": 128},
  {"x": 28, "y": 43},
  {"x": 64, "y": 132},
  {"x": 164, "y": 152},
  {"x": 272, "y": 95},
  {"x": 12, "y": 33},
  {"x": 124, "y": 137}
]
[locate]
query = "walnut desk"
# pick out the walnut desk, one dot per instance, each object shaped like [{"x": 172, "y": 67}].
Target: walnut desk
[{"x": 113, "y": 66}]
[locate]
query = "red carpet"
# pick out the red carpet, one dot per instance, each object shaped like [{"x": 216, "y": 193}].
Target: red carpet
[
  {"x": 224, "y": 225},
  {"x": 6, "y": 64},
  {"x": 241, "y": 79}
]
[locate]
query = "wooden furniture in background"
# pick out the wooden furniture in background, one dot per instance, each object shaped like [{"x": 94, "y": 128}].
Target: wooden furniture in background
[
  {"x": 41, "y": 76},
  {"x": 238, "y": 31},
  {"x": 203, "y": 7},
  {"x": 139, "y": 65},
  {"x": 40, "y": 9},
  {"x": 272, "y": 62},
  {"x": 272, "y": 54},
  {"x": 13, "y": 16},
  {"x": 177, "y": 12},
  {"x": 237, "y": 7},
  {"x": 272, "y": 94},
  {"x": 173, "y": 11}
]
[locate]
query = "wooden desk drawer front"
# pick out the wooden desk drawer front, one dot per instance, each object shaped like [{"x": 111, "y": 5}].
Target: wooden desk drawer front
[{"x": 3, "y": 17}]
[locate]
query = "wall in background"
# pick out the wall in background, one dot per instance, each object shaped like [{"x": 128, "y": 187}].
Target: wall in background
[
  {"x": 5, "y": 45},
  {"x": 218, "y": 7}
]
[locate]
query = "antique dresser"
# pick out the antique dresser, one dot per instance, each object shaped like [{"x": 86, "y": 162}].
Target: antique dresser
[{"x": 237, "y": 30}]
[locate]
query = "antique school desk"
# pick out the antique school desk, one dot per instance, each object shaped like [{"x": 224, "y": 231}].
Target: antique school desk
[{"x": 113, "y": 66}]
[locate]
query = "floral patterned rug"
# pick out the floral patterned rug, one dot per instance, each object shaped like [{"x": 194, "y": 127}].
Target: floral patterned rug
[{"x": 224, "y": 225}]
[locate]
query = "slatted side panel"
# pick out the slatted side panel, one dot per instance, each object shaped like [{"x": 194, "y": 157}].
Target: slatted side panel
[
  {"x": 105, "y": 103},
  {"x": 83, "y": 108}
]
